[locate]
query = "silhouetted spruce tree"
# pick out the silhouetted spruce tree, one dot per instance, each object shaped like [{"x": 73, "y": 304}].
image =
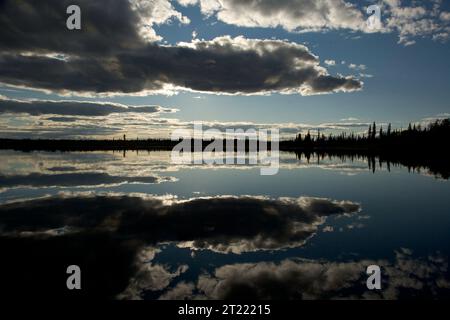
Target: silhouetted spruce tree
[{"x": 308, "y": 140}]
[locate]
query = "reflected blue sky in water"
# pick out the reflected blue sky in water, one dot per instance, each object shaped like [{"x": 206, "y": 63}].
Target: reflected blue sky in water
[{"x": 398, "y": 209}]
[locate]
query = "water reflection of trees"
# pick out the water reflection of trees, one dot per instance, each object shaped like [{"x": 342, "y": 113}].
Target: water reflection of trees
[
  {"x": 417, "y": 148},
  {"x": 436, "y": 166}
]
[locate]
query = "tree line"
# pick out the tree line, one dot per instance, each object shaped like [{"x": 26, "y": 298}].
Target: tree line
[{"x": 433, "y": 137}]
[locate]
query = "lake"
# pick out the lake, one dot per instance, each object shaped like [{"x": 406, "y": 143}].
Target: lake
[{"x": 141, "y": 227}]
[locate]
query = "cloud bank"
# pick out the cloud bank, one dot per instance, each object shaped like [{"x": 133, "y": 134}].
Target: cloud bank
[
  {"x": 118, "y": 50},
  {"x": 112, "y": 56},
  {"x": 80, "y": 119},
  {"x": 73, "y": 108},
  {"x": 292, "y": 15},
  {"x": 223, "y": 65},
  {"x": 409, "y": 21}
]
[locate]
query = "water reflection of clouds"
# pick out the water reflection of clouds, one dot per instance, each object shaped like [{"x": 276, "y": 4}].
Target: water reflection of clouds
[
  {"x": 222, "y": 224},
  {"x": 116, "y": 241},
  {"x": 310, "y": 279},
  {"x": 118, "y": 235},
  {"x": 115, "y": 238},
  {"x": 143, "y": 163},
  {"x": 61, "y": 171},
  {"x": 150, "y": 276},
  {"x": 87, "y": 179}
]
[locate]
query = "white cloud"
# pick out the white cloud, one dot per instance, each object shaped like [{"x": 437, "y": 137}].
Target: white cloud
[
  {"x": 155, "y": 12},
  {"x": 293, "y": 15},
  {"x": 409, "y": 21},
  {"x": 187, "y": 2},
  {"x": 416, "y": 21},
  {"x": 445, "y": 16},
  {"x": 360, "y": 67}
]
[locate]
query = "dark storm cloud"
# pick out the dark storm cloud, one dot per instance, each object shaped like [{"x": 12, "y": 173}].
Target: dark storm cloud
[
  {"x": 327, "y": 83},
  {"x": 109, "y": 56},
  {"x": 62, "y": 169},
  {"x": 80, "y": 131},
  {"x": 39, "y": 26},
  {"x": 69, "y": 180},
  {"x": 72, "y": 108},
  {"x": 63, "y": 119},
  {"x": 220, "y": 224},
  {"x": 222, "y": 67}
]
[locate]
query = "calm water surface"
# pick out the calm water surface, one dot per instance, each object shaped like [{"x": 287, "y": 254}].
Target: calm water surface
[{"x": 212, "y": 232}]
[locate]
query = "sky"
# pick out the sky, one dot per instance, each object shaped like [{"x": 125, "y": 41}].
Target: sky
[{"x": 147, "y": 67}]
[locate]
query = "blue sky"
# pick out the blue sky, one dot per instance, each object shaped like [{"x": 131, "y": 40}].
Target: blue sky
[{"x": 402, "y": 83}]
